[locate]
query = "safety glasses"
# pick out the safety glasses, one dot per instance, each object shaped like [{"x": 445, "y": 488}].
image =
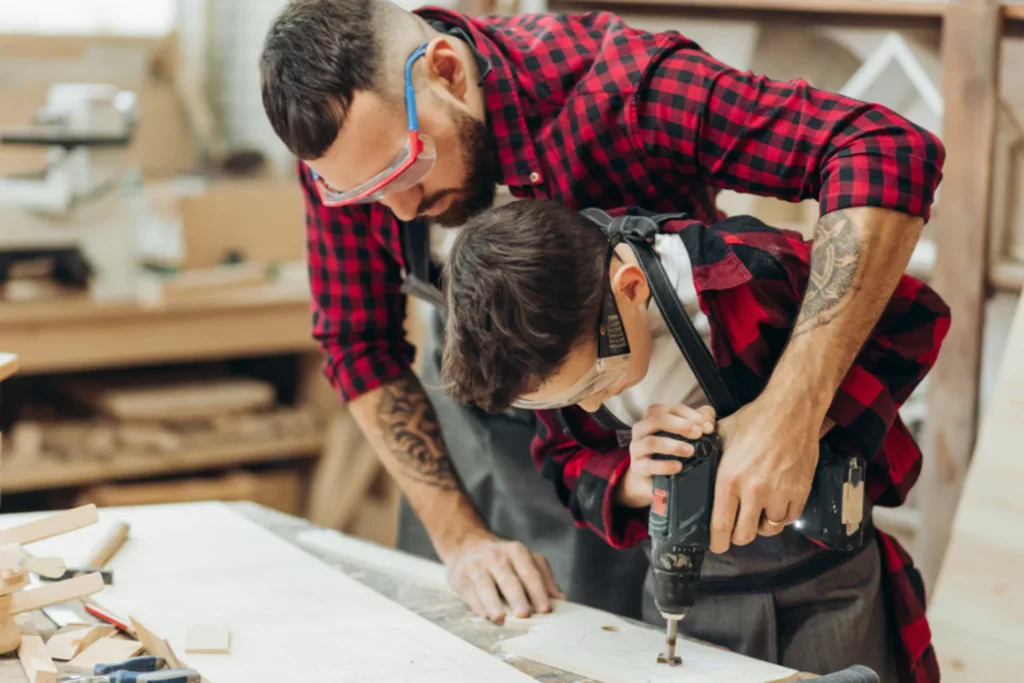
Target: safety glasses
[
  {"x": 409, "y": 166},
  {"x": 612, "y": 358}
]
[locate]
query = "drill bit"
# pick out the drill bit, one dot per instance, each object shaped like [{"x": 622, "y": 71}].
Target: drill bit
[{"x": 669, "y": 656}]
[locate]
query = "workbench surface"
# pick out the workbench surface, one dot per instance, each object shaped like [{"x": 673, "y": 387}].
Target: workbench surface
[{"x": 444, "y": 610}]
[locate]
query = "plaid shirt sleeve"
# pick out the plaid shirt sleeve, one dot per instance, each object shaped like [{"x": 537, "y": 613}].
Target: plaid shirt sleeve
[
  {"x": 734, "y": 130},
  {"x": 585, "y": 478},
  {"x": 357, "y": 304}
]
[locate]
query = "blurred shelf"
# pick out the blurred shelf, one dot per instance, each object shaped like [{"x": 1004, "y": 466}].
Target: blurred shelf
[
  {"x": 45, "y": 474},
  {"x": 78, "y": 333},
  {"x": 8, "y": 365},
  {"x": 1007, "y": 276}
]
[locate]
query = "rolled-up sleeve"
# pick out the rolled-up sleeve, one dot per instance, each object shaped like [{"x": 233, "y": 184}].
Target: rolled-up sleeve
[
  {"x": 358, "y": 308},
  {"x": 698, "y": 118}
]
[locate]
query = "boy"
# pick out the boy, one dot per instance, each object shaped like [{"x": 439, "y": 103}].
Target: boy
[{"x": 537, "y": 297}]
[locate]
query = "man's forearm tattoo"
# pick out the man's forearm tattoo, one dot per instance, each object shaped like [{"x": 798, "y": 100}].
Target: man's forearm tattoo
[
  {"x": 835, "y": 258},
  {"x": 413, "y": 434}
]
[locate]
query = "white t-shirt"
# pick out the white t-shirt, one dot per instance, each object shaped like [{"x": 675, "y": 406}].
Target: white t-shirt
[{"x": 669, "y": 378}]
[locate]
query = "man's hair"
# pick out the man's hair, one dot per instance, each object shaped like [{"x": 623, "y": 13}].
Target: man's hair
[
  {"x": 316, "y": 54},
  {"x": 523, "y": 286}
]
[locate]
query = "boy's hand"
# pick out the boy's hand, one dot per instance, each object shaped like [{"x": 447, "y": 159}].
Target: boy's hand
[{"x": 634, "y": 489}]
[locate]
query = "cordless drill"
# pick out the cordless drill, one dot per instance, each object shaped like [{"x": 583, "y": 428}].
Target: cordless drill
[{"x": 680, "y": 522}]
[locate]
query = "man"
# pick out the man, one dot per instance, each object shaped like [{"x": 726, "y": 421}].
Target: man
[
  {"x": 405, "y": 122},
  {"x": 548, "y": 312}
]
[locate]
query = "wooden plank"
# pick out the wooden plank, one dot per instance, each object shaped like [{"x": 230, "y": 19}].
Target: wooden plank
[
  {"x": 612, "y": 650},
  {"x": 971, "y": 54},
  {"x": 8, "y": 365},
  {"x": 51, "y": 594},
  {"x": 162, "y": 398},
  {"x": 39, "y": 668},
  {"x": 155, "y": 645},
  {"x": 43, "y": 476},
  {"x": 65, "y": 644},
  {"x": 976, "y": 607},
  {"x": 41, "y": 529}
]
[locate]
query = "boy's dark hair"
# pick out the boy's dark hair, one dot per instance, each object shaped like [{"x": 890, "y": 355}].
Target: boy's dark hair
[
  {"x": 523, "y": 285},
  {"x": 316, "y": 54}
]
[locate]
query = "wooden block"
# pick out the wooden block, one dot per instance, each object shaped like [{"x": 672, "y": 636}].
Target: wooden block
[
  {"x": 62, "y": 591},
  {"x": 59, "y": 523},
  {"x": 12, "y": 582},
  {"x": 105, "y": 651},
  {"x": 37, "y": 664},
  {"x": 155, "y": 645},
  {"x": 208, "y": 639},
  {"x": 66, "y": 643}
]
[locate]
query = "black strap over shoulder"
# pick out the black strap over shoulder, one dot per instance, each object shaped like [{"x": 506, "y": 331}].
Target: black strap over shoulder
[{"x": 639, "y": 232}]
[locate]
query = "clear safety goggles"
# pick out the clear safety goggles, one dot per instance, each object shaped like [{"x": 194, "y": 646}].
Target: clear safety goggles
[
  {"x": 412, "y": 163},
  {"x": 609, "y": 368}
]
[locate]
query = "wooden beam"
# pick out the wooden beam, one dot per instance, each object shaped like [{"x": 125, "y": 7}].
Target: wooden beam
[{"x": 971, "y": 40}]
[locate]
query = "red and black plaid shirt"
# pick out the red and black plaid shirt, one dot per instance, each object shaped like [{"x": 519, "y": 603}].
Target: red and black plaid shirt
[
  {"x": 591, "y": 112},
  {"x": 750, "y": 281}
]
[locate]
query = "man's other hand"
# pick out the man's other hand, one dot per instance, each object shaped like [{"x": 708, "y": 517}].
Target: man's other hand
[
  {"x": 765, "y": 474},
  {"x": 485, "y": 571}
]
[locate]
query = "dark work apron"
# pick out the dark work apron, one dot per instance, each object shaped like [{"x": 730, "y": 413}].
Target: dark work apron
[{"x": 491, "y": 454}]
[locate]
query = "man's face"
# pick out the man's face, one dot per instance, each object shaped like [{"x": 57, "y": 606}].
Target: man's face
[{"x": 463, "y": 178}]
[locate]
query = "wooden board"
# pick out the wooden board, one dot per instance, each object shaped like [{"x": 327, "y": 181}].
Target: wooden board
[
  {"x": 611, "y": 650},
  {"x": 977, "y": 606},
  {"x": 971, "y": 94},
  {"x": 39, "y": 668},
  {"x": 53, "y": 593},
  {"x": 135, "y": 398},
  {"x": 362, "y": 553},
  {"x": 50, "y": 525},
  {"x": 320, "y": 624}
]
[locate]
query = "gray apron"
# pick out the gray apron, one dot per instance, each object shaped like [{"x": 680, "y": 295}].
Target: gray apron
[{"x": 491, "y": 454}]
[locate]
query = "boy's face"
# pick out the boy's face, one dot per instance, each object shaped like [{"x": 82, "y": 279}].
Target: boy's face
[{"x": 629, "y": 286}]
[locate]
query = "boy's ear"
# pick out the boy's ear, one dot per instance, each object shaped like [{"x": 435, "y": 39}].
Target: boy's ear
[
  {"x": 444, "y": 67},
  {"x": 631, "y": 283}
]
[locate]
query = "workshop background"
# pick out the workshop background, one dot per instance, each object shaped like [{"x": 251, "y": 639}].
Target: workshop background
[{"x": 182, "y": 367}]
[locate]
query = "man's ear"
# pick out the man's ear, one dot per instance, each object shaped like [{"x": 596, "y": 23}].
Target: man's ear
[
  {"x": 445, "y": 68},
  {"x": 631, "y": 283}
]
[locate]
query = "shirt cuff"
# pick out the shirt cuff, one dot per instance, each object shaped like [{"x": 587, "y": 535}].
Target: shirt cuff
[
  {"x": 624, "y": 526},
  {"x": 900, "y": 182}
]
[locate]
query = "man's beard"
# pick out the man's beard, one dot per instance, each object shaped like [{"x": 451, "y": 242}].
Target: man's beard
[{"x": 482, "y": 172}]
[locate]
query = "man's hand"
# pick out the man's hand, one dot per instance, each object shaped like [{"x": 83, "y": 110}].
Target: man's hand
[
  {"x": 485, "y": 571},
  {"x": 764, "y": 476},
  {"x": 634, "y": 489},
  {"x": 770, "y": 446}
]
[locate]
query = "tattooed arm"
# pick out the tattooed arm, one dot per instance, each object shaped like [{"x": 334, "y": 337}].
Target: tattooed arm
[
  {"x": 403, "y": 428},
  {"x": 771, "y": 445}
]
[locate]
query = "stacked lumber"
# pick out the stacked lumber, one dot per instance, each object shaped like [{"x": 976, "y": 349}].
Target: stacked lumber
[{"x": 155, "y": 416}]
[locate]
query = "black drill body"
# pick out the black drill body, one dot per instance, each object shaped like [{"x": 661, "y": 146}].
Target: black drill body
[{"x": 679, "y": 523}]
